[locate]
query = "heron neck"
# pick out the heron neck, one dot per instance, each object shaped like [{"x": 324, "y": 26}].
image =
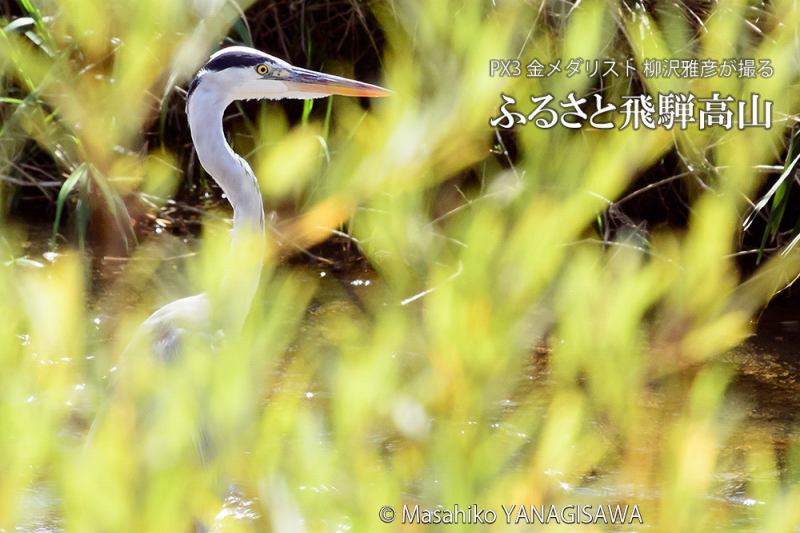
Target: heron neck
[
  {"x": 231, "y": 172},
  {"x": 234, "y": 176}
]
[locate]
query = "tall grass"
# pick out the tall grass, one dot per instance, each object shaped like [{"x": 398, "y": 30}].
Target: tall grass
[{"x": 501, "y": 354}]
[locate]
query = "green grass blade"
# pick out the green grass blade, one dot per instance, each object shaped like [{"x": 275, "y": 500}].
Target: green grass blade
[
  {"x": 41, "y": 37},
  {"x": 242, "y": 30},
  {"x": 326, "y": 124},
  {"x": 77, "y": 175},
  {"x": 82, "y": 212},
  {"x": 308, "y": 105},
  {"x": 781, "y": 201},
  {"x": 771, "y": 193},
  {"x": 116, "y": 207}
]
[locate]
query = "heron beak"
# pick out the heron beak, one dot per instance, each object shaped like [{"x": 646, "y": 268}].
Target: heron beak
[{"x": 309, "y": 81}]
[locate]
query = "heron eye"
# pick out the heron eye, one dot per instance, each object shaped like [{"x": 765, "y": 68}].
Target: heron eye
[{"x": 262, "y": 69}]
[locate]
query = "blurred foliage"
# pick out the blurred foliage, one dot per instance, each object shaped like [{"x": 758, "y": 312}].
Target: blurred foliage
[{"x": 500, "y": 354}]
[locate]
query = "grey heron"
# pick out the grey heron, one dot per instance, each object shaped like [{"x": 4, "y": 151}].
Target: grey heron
[{"x": 231, "y": 74}]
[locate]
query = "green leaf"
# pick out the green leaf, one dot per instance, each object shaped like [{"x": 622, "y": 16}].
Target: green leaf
[
  {"x": 242, "y": 30},
  {"x": 780, "y": 200},
  {"x": 77, "y": 175}
]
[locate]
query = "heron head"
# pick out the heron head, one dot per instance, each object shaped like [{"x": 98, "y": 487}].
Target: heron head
[{"x": 242, "y": 73}]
